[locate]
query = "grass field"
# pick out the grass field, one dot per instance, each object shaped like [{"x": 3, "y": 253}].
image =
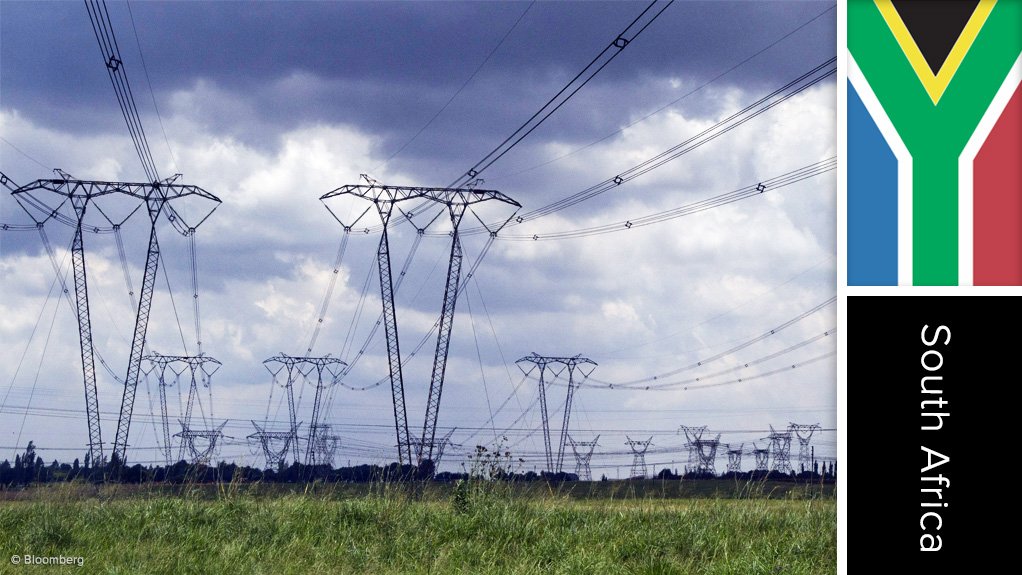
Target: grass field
[{"x": 475, "y": 528}]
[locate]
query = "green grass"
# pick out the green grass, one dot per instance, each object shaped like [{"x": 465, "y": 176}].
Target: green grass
[{"x": 472, "y": 529}]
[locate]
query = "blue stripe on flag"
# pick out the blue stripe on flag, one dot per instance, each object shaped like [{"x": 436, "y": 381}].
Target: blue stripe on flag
[{"x": 872, "y": 200}]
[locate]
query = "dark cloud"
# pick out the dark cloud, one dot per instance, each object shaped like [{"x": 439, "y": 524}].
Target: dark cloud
[
  {"x": 270, "y": 105},
  {"x": 391, "y": 65}
]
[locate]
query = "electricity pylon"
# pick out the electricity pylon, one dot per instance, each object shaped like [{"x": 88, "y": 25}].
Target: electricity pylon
[
  {"x": 734, "y": 458},
  {"x": 583, "y": 451},
  {"x": 386, "y": 199},
  {"x": 762, "y": 457},
  {"x": 201, "y": 454},
  {"x": 74, "y": 198},
  {"x": 804, "y": 433},
  {"x": 780, "y": 446},
  {"x": 200, "y": 370},
  {"x": 556, "y": 365},
  {"x": 639, "y": 456},
  {"x": 321, "y": 372},
  {"x": 702, "y": 452},
  {"x": 274, "y": 454},
  {"x": 323, "y": 444}
]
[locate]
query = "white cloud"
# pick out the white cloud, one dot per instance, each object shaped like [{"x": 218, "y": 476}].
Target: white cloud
[{"x": 639, "y": 302}]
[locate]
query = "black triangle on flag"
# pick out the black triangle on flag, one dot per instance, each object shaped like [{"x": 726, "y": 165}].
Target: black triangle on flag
[{"x": 935, "y": 25}]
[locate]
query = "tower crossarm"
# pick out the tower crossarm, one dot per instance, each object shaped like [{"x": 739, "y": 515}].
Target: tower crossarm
[{"x": 378, "y": 193}]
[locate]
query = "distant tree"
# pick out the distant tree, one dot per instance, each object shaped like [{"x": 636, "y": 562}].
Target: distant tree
[
  {"x": 665, "y": 473},
  {"x": 28, "y": 459}
]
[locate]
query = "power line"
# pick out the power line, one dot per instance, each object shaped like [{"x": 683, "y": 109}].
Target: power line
[
  {"x": 459, "y": 90},
  {"x": 782, "y": 94},
  {"x": 672, "y": 102},
  {"x": 606, "y": 56},
  {"x": 749, "y": 191},
  {"x": 103, "y": 30},
  {"x": 726, "y": 352},
  {"x": 23, "y": 153},
  {"x": 743, "y": 365},
  {"x": 150, "y": 84}
]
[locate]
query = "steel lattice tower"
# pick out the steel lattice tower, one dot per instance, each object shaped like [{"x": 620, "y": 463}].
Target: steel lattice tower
[
  {"x": 274, "y": 455},
  {"x": 804, "y": 433},
  {"x": 556, "y": 365},
  {"x": 323, "y": 444},
  {"x": 702, "y": 452},
  {"x": 734, "y": 458},
  {"x": 201, "y": 454},
  {"x": 200, "y": 368},
  {"x": 321, "y": 372},
  {"x": 438, "y": 447},
  {"x": 78, "y": 195},
  {"x": 275, "y": 365},
  {"x": 386, "y": 198},
  {"x": 158, "y": 367},
  {"x": 692, "y": 434},
  {"x": 583, "y": 451},
  {"x": 780, "y": 446},
  {"x": 762, "y": 458},
  {"x": 639, "y": 456}
]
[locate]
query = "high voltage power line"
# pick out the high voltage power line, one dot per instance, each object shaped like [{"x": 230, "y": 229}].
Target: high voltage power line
[
  {"x": 460, "y": 89},
  {"x": 747, "y": 192},
  {"x": 672, "y": 103},
  {"x": 583, "y": 77},
  {"x": 100, "y": 20},
  {"x": 606, "y": 56},
  {"x": 726, "y": 352},
  {"x": 103, "y": 29},
  {"x": 814, "y": 76}
]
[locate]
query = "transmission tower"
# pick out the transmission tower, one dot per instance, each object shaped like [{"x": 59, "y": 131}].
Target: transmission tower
[
  {"x": 804, "y": 433},
  {"x": 439, "y": 446},
  {"x": 200, "y": 369},
  {"x": 156, "y": 366},
  {"x": 583, "y": 451},
  {"x": 202, "y": 452},
  {"x": 275, "y": 365},
  {"x": 321, "y": 372},
  {"x": 702, "y": 452},
  {"x": 762, "y": 458},
  {"x": 780, "y": 447},
  {"x": 734, "y": 458},
  {"x": 692, "y": 434},
  {"x": 639, "y": 456},
  {"x": 70, "y": 207},
  {"x": 323, "y": 444},
  {"x": 275, "y": 444},
  {"x": 557, "y": 366},
  {"x": 386, "y": 199}
]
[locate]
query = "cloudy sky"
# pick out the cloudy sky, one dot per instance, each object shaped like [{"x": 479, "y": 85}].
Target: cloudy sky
[{"x": 269, "y": 106}]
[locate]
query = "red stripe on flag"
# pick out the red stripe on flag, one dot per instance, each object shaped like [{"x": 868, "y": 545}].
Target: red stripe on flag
[{"x": 997, "y": 201}]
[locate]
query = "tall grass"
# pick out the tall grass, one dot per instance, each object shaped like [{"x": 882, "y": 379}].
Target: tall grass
[{"x": 478, "y": 527}]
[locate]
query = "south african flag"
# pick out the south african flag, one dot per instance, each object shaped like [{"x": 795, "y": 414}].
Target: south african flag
[{"x": 934, "y": 142}]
